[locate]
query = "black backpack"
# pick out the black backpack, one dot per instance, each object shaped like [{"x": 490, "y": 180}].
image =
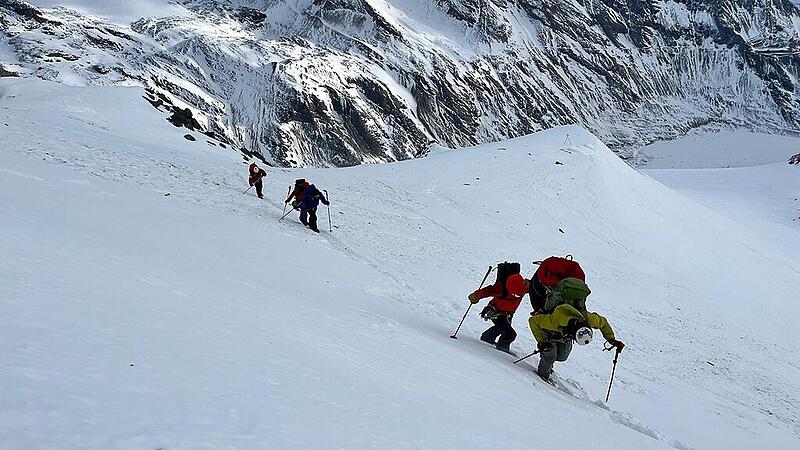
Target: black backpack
[{"x": 505, "y": 270}]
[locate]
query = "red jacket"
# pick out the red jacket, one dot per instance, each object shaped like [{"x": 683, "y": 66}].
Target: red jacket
[
  {"x": 256, "y": 174},
  {"x": 508, "y": 304},
  {"x": 554, "y": 269},
  {"x": 297, "y": 193}
]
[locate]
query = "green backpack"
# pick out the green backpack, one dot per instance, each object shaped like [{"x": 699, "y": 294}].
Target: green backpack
[{"x": 571, "y": 291}]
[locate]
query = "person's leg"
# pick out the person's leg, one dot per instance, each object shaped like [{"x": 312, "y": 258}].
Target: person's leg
[
  {"x": 546, "y": 360},
  {"x": 490, "y": 335},
  {"x": 312, "y": 219},
  {"x": 259, "y": 186},
  {"x": 304, "y": 216},
  {"x": 563, "y": 349},
  {"x": 507, "y": 333}
]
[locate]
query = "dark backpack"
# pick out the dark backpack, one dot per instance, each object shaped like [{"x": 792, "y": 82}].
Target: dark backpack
[
  {"x": 505, "y": 270},
  {"x": 571, "y": 291}
]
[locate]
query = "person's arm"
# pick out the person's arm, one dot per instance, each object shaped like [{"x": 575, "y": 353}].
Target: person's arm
[
  {"x": 599, "y": 322},
  {"x": 489, "y": 291}
]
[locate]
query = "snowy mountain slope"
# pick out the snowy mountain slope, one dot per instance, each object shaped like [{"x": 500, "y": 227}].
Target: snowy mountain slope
[
  {"x": 717, "y": 148},
  {"x": 765, "y": 186},
  {"x": 244, "y": 332},
  {"x": 324, "y": 82}
]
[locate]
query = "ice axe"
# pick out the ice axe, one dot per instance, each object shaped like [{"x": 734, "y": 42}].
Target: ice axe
[{"x": 470, "y": 305}]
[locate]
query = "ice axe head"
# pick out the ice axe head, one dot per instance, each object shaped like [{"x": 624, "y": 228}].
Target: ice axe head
[{"x": 453, "y": 337}]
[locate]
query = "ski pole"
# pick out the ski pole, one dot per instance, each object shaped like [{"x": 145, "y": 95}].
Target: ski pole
[
  {"x": 470, "y": 305},
  {"x": 288, "y": 193},
  {"x": 328, "y": 198},
  {"x": 526, "y": 357},
  {"x": 289, "y": 212},
  {"x": 613, "y": 371}
]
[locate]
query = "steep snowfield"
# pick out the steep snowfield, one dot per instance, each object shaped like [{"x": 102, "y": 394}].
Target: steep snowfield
[{"x": 130, "y": 318}]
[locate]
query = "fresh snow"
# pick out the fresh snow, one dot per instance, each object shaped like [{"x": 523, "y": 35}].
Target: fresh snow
[{"x": 146, "y": 303}]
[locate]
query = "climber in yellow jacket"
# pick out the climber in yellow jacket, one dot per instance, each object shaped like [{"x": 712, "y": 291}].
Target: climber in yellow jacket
[{"x": 555, "y": 331}]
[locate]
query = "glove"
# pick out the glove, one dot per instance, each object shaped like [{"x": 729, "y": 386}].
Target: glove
[
  {"x": 473, "y": 298},
  {"x": 326, "y": 203},
  {"x": 544, "y": 347},
  {"x": 286, "y": 201},
  {"x": 619, "y": 344}
]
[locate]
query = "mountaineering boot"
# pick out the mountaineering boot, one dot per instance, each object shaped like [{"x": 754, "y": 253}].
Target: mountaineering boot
[
  {"x": 505, "y": 349},
  {"x": 488, "y": 340},
  {"x": 545, "y": 378}
]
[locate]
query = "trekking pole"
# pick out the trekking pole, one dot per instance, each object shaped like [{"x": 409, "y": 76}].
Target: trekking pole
[
  {"x": 289, "y": 212},
  {"x": 288, "y": 193},
  {"x": 328, "y": 198},
  {"x": 526, "y": 357},
  {"x": 254, "y": 183},
  {"x": 470, "y": 305},
  {"x": 613, "y": 370}
]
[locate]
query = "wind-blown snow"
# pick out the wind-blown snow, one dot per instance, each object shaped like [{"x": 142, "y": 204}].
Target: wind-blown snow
[{"x": 130, "y": 318}]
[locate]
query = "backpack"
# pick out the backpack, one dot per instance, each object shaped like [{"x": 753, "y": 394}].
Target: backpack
[
  {"x": 505, "y": 270},
  {"x": 571, "y": 291}
]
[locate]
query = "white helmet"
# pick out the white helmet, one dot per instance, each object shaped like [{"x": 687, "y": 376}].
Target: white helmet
[{"x": 583, "y": 336}]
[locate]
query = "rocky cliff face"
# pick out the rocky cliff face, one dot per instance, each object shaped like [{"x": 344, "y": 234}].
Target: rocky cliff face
[{"x": 343, "y": 82}]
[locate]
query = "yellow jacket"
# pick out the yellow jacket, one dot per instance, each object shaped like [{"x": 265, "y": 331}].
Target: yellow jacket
[{"x": 559, "y": 319}]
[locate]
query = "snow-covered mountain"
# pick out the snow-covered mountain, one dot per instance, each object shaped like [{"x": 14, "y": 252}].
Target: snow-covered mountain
[
  {"x": 341, "y": 82},
  {"x": 146, "y": 303}
]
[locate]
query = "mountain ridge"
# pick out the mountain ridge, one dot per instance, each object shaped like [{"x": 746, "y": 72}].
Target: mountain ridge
[{"x": 345, "y": 82}]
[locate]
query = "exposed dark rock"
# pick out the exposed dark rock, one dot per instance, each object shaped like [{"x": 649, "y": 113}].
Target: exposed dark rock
[
  {"x": 795, "y": 159},
  {"x": 189, "y": 137},
  {"x": 7, "y": 73},
  {"x": 184, "y": 118},
  {"x": 26, "y": 11},
  {"x": 62, "y": 55}
]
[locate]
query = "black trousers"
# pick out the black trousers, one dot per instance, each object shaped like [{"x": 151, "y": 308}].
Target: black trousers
[
  {"x": 259, "y": 186},
  {"x": 502, "y": 328},
  {"x": 309, "y": 217}
]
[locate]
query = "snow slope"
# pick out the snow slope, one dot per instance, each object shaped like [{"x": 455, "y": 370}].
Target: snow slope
[
  {"x": 130, "y": 318},
  {"x": 706, "y": 149}
]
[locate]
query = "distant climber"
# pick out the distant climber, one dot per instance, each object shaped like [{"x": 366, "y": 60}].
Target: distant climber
[
  {"x": 506, "y": 293},
  {"x": 311, "y": 197},
  {"x": 550, "y": 272},
  {"x": 256, "y": 175},
  {"x": 564, "y": 319}
]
